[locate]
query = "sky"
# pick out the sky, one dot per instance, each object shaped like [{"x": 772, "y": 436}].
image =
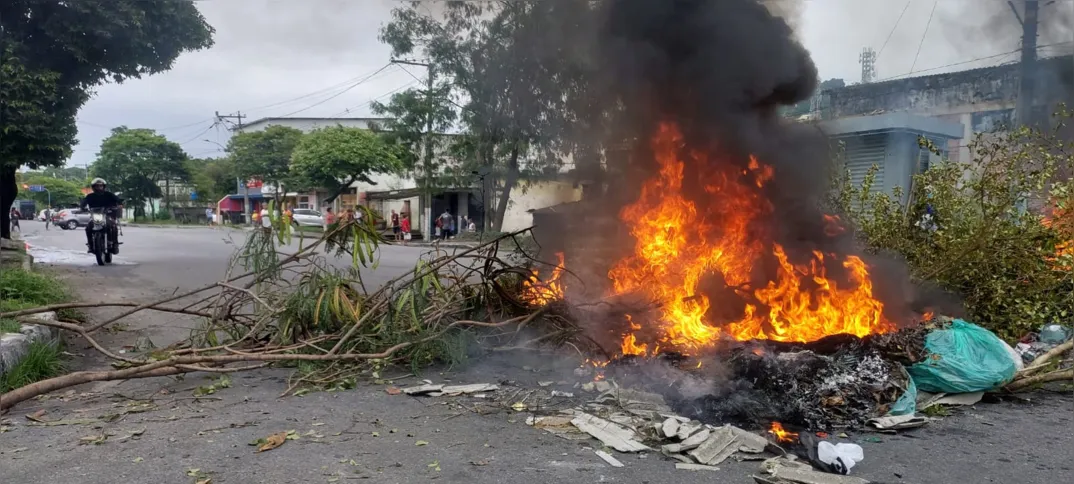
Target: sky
[{"x": 277, "y": 58}]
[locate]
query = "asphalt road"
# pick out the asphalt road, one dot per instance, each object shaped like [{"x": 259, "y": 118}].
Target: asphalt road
[
  {"x": 155, "y": 431},
  {"x": 157, "y": 261}
]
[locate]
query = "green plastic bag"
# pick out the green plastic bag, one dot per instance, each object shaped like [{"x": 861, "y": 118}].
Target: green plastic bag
[
  {"x": 963, "y": 358},
  {"x": 907, "y": 403}
]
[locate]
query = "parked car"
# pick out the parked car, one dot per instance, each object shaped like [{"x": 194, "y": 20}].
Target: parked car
[
  {"x": 71, "y": 218},
  {"x": 307, "y": 218}
]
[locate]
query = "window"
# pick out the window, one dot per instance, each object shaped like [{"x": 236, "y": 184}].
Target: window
[{"x": 304, "y": 202}]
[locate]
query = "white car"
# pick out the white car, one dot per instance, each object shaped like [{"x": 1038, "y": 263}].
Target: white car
[{"x": 307, "y": 218}]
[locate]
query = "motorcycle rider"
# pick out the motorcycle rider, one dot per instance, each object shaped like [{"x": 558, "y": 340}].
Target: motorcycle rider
[{"x": 99, "y": 198}]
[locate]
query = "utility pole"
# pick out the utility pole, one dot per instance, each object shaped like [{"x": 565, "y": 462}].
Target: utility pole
[
  {"x": 1028, "y": 83},
  {"x": 238, "y": 116},
  {"x": 427, "y": 162}
]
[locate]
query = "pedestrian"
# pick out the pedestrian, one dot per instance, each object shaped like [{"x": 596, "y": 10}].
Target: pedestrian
[
  {"x": 404, "y": 227},
  {"x": 329, "y": 218},
  {"x": 396, "y": 229},
  {"x": 451, "y": 228},
  {"x": 471, "y": 226},
  {"x": 15, "y": 216},
  {"x": 209, "y": 216},
  {"x": 444, "y": 221},
  {"x": 47, "y": 213}
]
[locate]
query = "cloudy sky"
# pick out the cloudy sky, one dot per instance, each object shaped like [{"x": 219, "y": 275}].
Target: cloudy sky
[{"x": 306, "y": 58}]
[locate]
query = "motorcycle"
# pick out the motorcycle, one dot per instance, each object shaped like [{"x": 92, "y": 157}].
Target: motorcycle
[{"x": 104, "y": 241}]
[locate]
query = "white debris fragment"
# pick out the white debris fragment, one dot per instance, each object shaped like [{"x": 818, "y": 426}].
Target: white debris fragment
[
  {"x": 557, "y": 393},
  {"x": 611, "y": 434},
  {"x": 695, "y": 440},
  {"x": 695, "y": 467},
  {"x": 612, "y": 461},
  {"x": 670, "y": 427},
  {"x": 714, "y": 446},
  {"x": 455, "y": 390},
  {"x": 423, "y": 389}
]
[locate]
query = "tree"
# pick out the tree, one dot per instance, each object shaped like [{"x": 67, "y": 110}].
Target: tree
[
  {"x": 60, "y": 192},
  {"x": 135, "y": 162},
  {"x": 213, "y": 178},
  {"x": 56, "y": 51},
  {"x": 335, "y": 157},
  {"x": 414, "y": 118},
  {"x": 265, "y": 155},
  {"x": 32, "y": 133},
  {"x": 75, "y": 174},
  {"x": 512, "y": 63}
]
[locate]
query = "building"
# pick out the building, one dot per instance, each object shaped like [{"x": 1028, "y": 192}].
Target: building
[
  {"x": 981, "y": 100},
  {"x": 463, "y": 197},
  {"x": 890, "y": 142}
]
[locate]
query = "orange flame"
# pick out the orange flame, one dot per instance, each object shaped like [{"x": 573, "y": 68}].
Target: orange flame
[
  {"x": 539, "y": 293},
  {"x": 678, "y": 244},
  {"x": 782, "y": 435}
]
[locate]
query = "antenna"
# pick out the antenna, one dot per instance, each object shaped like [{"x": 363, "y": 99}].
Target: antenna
[{"x": 867, "y": 59}]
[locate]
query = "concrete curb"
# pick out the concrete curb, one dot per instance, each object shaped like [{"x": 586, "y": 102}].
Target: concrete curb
[{"x": 14, "y": 346}]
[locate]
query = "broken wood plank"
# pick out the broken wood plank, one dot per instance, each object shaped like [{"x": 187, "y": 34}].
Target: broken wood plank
[
  {"x": 695, "y": 467},
  {"x": 612, "y": 461},
  {"x": 611, "y": 434}
]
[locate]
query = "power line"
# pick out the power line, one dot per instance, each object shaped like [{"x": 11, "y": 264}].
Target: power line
[
  {"x": 904, "y": 9},
  {"x": 352, "y": 86},
  {"x": 924, "y": 34},
  {"x": 369, "y": 102},
  {"x": 361, "y": 78},
  {"x": 206, "y": 130}
]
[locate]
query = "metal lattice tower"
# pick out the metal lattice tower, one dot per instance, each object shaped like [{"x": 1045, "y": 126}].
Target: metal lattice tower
[{"x": 868, "y": 65}]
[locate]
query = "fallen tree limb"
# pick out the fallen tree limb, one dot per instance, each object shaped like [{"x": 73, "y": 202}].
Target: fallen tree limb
[
  {"x": 321, "y": 317},
  {"x": 1024, "y": 383},
  {"x": 1042, "y": 361}
]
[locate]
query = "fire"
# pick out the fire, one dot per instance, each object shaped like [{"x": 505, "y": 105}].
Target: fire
[
  {"x": 678, "y": 244},
  {"x": 539, "y": 293},
  {"x": 782, "y": 435}
]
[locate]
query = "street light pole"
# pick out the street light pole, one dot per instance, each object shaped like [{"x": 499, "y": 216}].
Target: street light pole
[{"x": 427, "y": 196}]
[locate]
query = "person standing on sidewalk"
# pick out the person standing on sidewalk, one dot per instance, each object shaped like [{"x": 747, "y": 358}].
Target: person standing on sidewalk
[
  {"x": 15, "y": 216},
  {"x": 209, "y": 216},
  {"x": 404, "y": 227},
  {"x": 47, "y": 213},
  {"x": 397, "y": 231}
]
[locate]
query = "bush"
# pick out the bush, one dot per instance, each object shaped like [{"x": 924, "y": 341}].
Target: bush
[
  {"x": 163, "y": 214},
  {"x": 969, "y": 228},
  {"x": 42, "y": 361},
  {"x": 20, "y": 289}
]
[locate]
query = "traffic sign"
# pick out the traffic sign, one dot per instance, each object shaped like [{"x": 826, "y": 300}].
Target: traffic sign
[{"x": 37, "y": 188}]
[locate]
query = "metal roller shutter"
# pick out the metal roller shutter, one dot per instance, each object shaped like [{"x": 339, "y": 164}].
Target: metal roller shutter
[{"x": 862, "y": 152}]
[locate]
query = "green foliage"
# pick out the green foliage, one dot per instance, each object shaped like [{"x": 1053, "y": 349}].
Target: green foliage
[
  {"x": 20, "y": 289},
  {"x": 62, "y": 192},
  {"x": 42, "y": 361},
  {"x": 265, "y": 154},
  {"x": 135, "y": 161},
  {"x": 56, "y": 51},
  {"x": 523, "y": 71},
  {"x": 984, "y": 244},
  {"x": 34, "y": 133},
  {"x": 9, "y": 326},
  {"x": 75, "y": 174},
  {"x": 213, "y": 178},
  {"x": 337, "y": 156}
]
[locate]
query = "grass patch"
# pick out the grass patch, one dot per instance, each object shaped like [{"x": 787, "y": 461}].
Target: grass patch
[
  {"x": 42, "y": 361},
  {"x": 9, "y": 326},
  {"x": 20, "y": 289}
]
